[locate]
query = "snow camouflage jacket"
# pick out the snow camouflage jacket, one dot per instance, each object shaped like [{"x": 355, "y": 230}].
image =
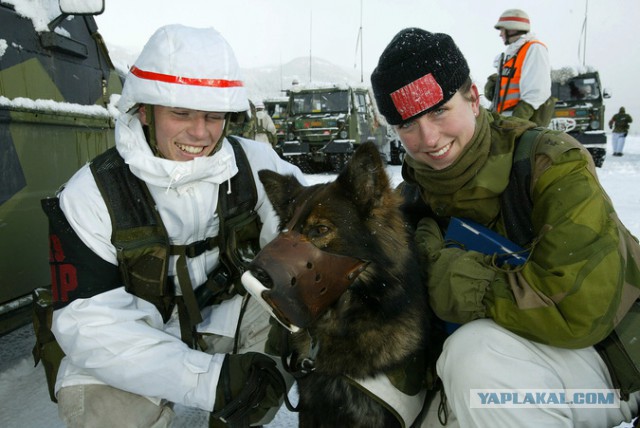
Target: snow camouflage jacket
[
  {"x": 524, "y": 67},
  {"x": 135, "y": 342},
  {"x": 582, "y": 275}
]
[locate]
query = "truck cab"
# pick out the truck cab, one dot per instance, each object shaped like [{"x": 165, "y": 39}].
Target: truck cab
[
  {"x": 579, "y": 110},
  {"x": 325, "y": 124},
  {"x": 56, "y": 83}
]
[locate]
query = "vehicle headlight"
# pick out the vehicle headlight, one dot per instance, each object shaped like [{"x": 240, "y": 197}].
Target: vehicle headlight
[
  {"x": 344, "y": 134},
  {"x": 290, "y": 136},
  {"x": 595, "y": 124}
]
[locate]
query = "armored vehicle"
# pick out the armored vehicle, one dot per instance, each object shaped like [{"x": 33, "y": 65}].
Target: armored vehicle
[
  {"x": 325, "y": 124},
  {"x": 56, "y": 80},
  {"x": 580, "y": 109},
  {"x": 277, "y": 109}
]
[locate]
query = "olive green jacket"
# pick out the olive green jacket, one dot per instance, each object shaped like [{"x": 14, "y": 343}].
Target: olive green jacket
[{"x": 582, "y": 275}]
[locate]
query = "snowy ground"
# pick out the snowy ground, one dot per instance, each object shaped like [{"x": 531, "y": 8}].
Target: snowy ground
[{"x": 24, "y": 401}]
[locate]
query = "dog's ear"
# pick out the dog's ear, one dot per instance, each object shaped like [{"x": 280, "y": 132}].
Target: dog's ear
[
  {"x": 365, "y": 178},
  {"x": 281, "y": 190}
]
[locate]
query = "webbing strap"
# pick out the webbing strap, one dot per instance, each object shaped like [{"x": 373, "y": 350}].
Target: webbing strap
[
  {"x": 188, "y": 295},
  {"x": 516, "y": 203},
  {"x": 199, "y": 247}
]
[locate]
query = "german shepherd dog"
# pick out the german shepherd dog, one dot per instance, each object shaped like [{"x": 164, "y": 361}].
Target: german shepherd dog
[{"x": 343, "y": 277}]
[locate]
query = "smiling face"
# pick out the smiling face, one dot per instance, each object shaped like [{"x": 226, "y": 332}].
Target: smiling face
[
  {"x": 183, "y": 134},
  {"x": 438, "y": 137}
]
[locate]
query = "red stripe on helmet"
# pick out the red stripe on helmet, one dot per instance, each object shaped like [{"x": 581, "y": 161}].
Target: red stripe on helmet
[
  {"x": 167, "y": 78},
  {"x": 514, "y": 18},
  {"x": 417, "y": 96}
]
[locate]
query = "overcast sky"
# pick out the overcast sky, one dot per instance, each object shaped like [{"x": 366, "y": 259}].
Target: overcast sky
[{"x": 273, "y": 32}]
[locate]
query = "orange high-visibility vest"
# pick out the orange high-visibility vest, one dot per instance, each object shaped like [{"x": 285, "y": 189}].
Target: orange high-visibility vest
[{"x": 510, "y": 72}]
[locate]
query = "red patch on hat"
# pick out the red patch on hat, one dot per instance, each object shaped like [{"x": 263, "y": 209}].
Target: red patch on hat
[{"x": 417, "y": 96}]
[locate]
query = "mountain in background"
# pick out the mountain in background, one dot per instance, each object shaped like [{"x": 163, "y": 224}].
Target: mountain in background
[{"x": 270, "y": 82}]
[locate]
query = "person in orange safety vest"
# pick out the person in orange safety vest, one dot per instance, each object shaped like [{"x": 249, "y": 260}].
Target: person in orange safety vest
[{"x": 522, "y": 85}]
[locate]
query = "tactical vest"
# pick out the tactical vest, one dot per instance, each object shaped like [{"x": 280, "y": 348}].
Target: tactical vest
[
  {"x": 142, "y": 244},
  {"x": 143, "y": 251},
  {"x": 509, "y": 78}
]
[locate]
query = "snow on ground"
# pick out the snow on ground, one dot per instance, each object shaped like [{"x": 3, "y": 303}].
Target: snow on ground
[{"x": 24, "y": 400}]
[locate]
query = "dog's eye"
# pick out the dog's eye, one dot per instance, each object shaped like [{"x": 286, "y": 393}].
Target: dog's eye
[{"x": 318, "y": 231}]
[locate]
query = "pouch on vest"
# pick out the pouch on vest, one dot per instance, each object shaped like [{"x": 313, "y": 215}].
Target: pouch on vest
[
  {"x": 46, "y": 348},
  {"x": 139, "y": 236}
]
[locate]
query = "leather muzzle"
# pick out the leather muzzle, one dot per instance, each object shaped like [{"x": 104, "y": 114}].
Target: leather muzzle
[{"x": 301, "y": 280}]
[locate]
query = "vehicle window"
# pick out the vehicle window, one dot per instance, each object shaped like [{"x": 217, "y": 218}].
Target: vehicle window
[{"x": 324, "y": 102}]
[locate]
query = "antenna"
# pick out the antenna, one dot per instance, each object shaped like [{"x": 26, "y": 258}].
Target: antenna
[
  {"x": 582, "y": 46},
  {"x": 361, "y": 51},
  {"x": 359, "y": 45},
  {"x": 310, "y": 39}
]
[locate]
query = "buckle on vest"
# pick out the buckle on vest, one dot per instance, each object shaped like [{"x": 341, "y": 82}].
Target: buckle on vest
[{"x": 196, "y": 248}]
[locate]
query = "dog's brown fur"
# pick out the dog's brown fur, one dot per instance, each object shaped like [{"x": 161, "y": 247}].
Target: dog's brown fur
[{"x": 379, "y": 324}]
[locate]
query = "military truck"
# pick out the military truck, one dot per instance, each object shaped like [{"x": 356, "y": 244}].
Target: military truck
[
  {"x": 277, "y": 108},
  {"x": 56, "y": 80},
  {"x": 326, "y": 123},
  {"x": 580, "y": 109}
]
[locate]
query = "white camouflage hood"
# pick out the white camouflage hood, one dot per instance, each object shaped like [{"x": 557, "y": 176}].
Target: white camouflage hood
[{"x": 135, "y": 150}]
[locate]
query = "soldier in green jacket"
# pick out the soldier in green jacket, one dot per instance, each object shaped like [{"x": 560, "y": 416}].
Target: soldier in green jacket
[
  {"x": 550, "y": 325},
  {"x": 619, "y": 123}
]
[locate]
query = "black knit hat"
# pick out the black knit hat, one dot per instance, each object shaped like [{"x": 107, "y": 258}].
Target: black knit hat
[{"x": 417, "y": 72}]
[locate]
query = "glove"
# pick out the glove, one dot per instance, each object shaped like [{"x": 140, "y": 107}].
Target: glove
[
  {"x": 429, "y": 240},
  {"x": 457, "y": 279},
  {"x": 490, "y": 86},
  {"x": 523, "y": 110},
  {"x": 625, "y": 134},
  {"x": 250, "y": 385}
]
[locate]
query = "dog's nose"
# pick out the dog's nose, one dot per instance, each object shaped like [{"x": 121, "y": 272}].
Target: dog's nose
[{"x": 261, "y": 275}]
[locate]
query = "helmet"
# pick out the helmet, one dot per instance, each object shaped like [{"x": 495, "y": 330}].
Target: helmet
[
  {"x": 514, "y": 19},
  {"x": 186, "y": 67}
]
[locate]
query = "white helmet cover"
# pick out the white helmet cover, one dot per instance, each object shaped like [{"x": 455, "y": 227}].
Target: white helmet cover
[
  {"x": 186, "y": 67},
  {"x": 514, "y": 19}
]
